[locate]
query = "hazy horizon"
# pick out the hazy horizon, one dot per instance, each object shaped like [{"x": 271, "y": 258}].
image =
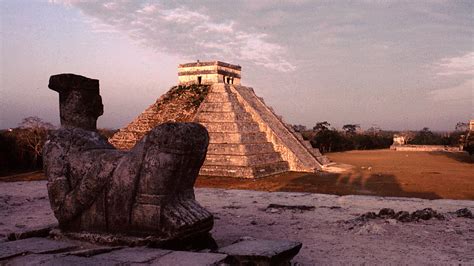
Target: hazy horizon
[{"x": 394, "y": 64}]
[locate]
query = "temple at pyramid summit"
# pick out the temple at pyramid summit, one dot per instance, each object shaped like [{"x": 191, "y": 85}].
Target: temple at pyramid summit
[{"x": 247, "y": 139}]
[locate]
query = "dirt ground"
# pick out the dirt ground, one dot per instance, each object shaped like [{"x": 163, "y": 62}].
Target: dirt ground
[{"x": 427, "y": 175}]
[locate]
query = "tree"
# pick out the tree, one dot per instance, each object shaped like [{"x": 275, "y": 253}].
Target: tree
[
  {"x": 350, "y": 129},
  {"x": 425, "y": 137},
  {"x": 321, "y": 126},
  {"x": 299, "y": 128},
  {"x": 461, "y": 127},
  {"x": 374, "y": 130},
  {"x": 32, "y": 133}
]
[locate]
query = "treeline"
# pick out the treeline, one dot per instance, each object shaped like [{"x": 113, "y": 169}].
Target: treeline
[
  {"x": 21, "y": 148},
  {"x": 351, "y": 137}
]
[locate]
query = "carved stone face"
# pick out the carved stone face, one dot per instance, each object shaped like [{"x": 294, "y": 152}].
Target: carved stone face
[{"x": 80, "y": 108}]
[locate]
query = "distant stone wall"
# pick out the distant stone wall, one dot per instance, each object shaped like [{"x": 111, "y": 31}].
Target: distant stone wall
[{"x": 424, "y": 148}]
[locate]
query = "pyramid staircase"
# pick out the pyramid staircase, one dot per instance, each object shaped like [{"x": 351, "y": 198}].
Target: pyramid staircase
[
  {"x": 247, "y": 139},
  {"x": 237, "y": 146}
]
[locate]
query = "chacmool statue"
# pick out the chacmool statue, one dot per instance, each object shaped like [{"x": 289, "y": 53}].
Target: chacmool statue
[{"x": 147, "y": 191}]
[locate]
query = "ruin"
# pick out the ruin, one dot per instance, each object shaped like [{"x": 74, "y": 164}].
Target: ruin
[
  {"x": 247, "y": 139},
  {"x": 144, "y": 192},
  {"x": 208, "y": 73}
]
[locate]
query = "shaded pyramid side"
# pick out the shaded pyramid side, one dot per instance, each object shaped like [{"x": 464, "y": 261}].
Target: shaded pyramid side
[
  {"x": 179, "y": 104},
  {"x": 237, "y": 146},
  {"x": 299, "y": 154}
]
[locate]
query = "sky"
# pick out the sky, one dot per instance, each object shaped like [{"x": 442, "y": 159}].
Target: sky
[{"x": 398, "y": 65}]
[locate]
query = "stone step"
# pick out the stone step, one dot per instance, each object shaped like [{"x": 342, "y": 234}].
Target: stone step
[
  {"x": 244, "y": 137},
  {"x": 221, "y": 107},
  {"x": 231, "y": 126},
  {"x": 239, "y": 149},
  {"x": 222, "y": 117},
  {"x": 217, "y": 97},
  {"x": 245, "y": 171},
  {"x": 217, "y": 107},
  {"x": 243, "y": 160},
  {"x": 218, "y": 88}
]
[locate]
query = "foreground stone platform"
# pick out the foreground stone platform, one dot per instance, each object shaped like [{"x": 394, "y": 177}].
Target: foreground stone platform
[
  {"x": 45, "y": 251},
  {"x": 326, "y": 225},
  {"x": 37, "y": 251}
]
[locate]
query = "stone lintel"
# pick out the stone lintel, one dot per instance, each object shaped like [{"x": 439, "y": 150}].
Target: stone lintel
[
  {"x": 210, "y": 63},
  {"x": 69, "y": 81},
  {"x": 207, "y": 72}
]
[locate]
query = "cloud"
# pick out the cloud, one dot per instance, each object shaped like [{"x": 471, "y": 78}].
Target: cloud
[
  {"x": 462, "y": 65},
  {"x": 463, "y": 92},
  {"x": 186, "y": 32}
]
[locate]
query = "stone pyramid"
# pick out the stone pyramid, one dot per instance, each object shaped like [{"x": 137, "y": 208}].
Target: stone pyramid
[{"x": 247, "y": 139}]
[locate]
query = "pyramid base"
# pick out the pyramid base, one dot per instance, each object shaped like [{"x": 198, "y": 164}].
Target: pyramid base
[{"x": 256, "y": 171}]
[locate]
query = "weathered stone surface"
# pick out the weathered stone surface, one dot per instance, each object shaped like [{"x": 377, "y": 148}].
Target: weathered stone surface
[
  {"x": 133, "y": 255},
  {"x": 262, "y": 252},
  {"x": 32, "y": 245},
  {"x": 179, "y": 104},
  {"x": 58, "y": 259},
  {"x": 147, "y": 191},
  {"x": 183, "y": 258},
  {"x": 402, "y": 216},
  {"x": 39, "y": 231},
  {"x": 79, "y": 101},
  {"x": 464, "y": 212}
]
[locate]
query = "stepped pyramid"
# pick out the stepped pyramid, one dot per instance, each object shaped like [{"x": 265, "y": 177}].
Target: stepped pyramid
[{"x": 247, "y": 139}]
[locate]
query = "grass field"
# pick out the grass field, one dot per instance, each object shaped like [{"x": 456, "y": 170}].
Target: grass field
[{"x": 427, "y": 175}]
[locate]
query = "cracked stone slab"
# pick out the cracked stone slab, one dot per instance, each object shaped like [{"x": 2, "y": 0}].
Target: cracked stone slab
[
  {"x": 184, "y": 258},
  {"x": 61, "y": 259},
  {"x": 263, "y": 252},
  {"x": 133, "y": 255},
  {"x": 32, "y": 245},
  {"x": 37, "y": 231}
]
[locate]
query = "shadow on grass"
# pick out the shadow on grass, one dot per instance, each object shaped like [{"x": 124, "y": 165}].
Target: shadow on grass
[
  {"x": 353, "y": 184},
  {"x": 349, "y": 183},
  {"x": 462, "y": 157}
]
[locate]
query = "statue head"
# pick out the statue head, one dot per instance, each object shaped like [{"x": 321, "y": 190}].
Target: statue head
[{"x": 80, "y": 103}]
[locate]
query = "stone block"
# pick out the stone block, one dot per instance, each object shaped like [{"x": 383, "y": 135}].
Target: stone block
[
  {"x": 244, "y": 171},
  {"x": 261, "y": 252},
  {"x": 222, "y": 117},
  {"x": 39, "y": 231},
  {"x": 133, "y": 255},
  {"x": 32, "y": 245},
  {"x": 183, "y": 258},
  {"x": 218, "y": 107},
  {"x": 58, "y": 259},
  {"x": 243, "y": 160},
  {"x": 231, "y": 126},
  {"x": 245, "y": 137},
  {"x": 239, "y": 149},
  {"x": 216, "y": 97}
]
